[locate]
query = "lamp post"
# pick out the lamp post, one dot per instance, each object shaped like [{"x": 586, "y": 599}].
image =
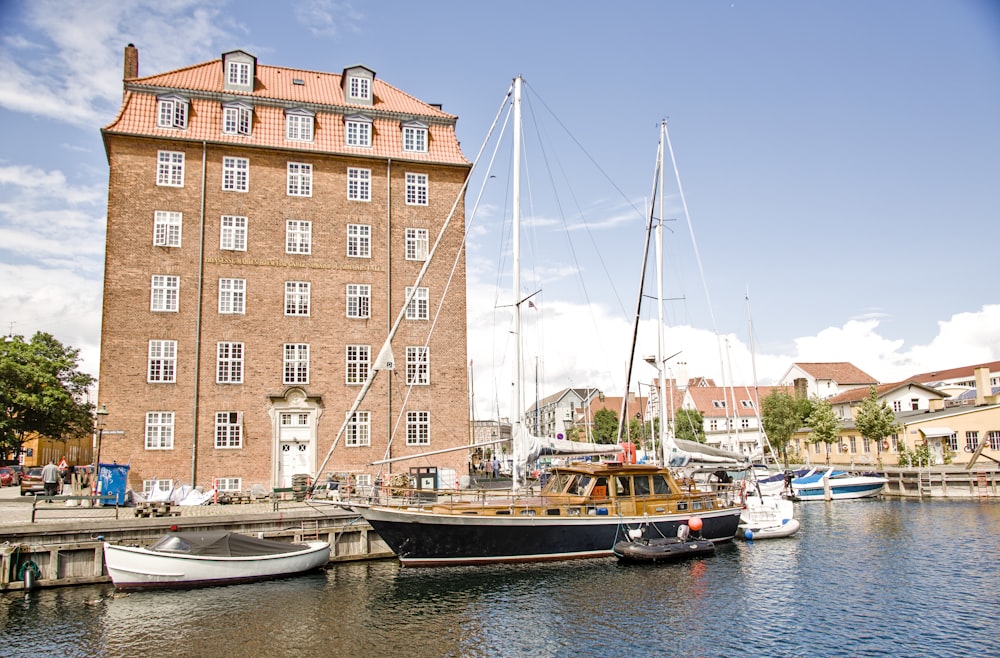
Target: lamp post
[{"x": 102, "y": 414}]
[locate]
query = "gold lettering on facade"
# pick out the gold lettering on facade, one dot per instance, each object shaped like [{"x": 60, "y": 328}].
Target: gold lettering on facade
[{"x": 274, "y": 262}]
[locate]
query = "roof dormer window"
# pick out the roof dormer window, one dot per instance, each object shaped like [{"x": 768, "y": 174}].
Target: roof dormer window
[
  {"x": 299, "y": 125},
  {"x": 358, "y": 131},
  {"x": 239, "y": 69},
  {"x": 237, "y": 119},
  {"x": 172, "y": 112},
  {"x": 357, "y": 83},
  {"x": 415, "y": 137}
]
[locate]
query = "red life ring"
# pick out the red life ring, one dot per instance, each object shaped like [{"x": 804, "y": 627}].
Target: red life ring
[{"x": 885, "y": 445}]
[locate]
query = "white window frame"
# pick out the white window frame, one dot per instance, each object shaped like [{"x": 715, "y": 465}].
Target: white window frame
[
  {"x": 358, "y": 364},
  {"x": 237, "y": 119},
  {"x": 170, "y": 168},
  {"x": 164, "y": 291},
  {"x": 233, "y": 233},
  {"x": 417, "y": 244},
  {"x": 172, "y": 112},
  {"x": 358, "y": 432},
  {"x": 416, "y": 189},
  {"x": 232, "y": 296},
  {"x": 151, "y": 486},
  {"x": 298, "y": 236},
  {"x": 419, "y": 306},
  {"x": 359, "y": 241},
  {"x": 167, "y": 227},
  {"x": 358, "y": 132},
  {"x": 297, "y": 298},
  {"x": 418, "y": 428},
  {"x": 359, "y": 300},
  {"x": 228, "y": 484},
  {"x": 228, "y": 432},
  {"x": 299, "y": 179},
  {"x": 418, "y": 365},
  {"x": 235, "y": 174},
  {"x": 359, "y": 88},
  {"x": 162, "y": 362},
  {"x": 295, "y": 363},
  {"x": 359, "y": 184},
  {"x": 238, "y": 73},
  {"x": 159, "y": 430},
  {"x": 229, "y": 362},
  {"x": 299, "y": 127},
  {"x": 415, "y": 139}
]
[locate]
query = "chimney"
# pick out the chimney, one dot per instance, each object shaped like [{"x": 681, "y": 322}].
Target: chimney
[
  {"x": 131, "y": 62},
  {"x": 935, "y": 404},
  {"x": 983, "y": 387},
  {"x": 801, "y": 388}
]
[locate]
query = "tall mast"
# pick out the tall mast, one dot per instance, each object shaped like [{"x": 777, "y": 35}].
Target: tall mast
[
  {"x": 518, "y": 412},
  {"x": 661, "y": 366}
]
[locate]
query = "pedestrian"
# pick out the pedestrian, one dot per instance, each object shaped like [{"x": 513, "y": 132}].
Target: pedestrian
[
  {"x": 496, "y": 468},
  {"x": 50, "y": 478}
]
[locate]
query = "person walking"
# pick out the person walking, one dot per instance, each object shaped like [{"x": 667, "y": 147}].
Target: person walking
[{"x": 50, "y": 479}]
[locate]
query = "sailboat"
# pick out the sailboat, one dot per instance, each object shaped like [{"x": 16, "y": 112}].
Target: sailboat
[{"x": 583, "y": 510}]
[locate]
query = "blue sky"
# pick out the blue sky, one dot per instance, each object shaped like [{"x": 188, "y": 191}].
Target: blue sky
[{"x": 841, "y": 160}]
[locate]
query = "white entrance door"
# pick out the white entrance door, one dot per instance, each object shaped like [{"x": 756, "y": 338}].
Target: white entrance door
[{"x": 296, "y": 448}]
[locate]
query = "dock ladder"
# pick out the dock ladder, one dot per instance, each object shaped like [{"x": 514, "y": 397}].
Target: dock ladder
[
  {"x": 310, "y": 530},
  {"x": 982, "y": 485}
]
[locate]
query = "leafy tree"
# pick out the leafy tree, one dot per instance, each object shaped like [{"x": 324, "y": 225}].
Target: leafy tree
[
  {"x": 689, "y": 424},
  {"x": 824, "y": 425},
  {"x": 41, "y": 391},
  {"x": 875, "y": 420},
  {"x": 782, "y": 415},
  {"x": 605, "y": 426}
]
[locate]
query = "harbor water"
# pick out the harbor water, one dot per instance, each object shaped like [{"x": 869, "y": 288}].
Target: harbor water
[{"x": 861, "y": 578}]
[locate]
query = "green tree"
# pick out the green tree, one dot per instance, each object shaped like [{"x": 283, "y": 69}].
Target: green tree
[
  {"x": 689, "y": 424},
  {"x": 605, "y": 426},
  {"x": 782, "y": 415},
  {"x": 42, "y": 391},
  {"x": 875, "y": 420},
  {"x": 824, "y": 425}
]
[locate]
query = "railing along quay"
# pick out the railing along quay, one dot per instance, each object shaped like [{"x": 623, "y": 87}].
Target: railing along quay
[
  {"x": 943, "y": 482},
  {"x": 65, "y": 545}
]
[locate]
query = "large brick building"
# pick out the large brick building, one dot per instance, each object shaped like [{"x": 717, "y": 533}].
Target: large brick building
[{"x": 264, "y": 226}]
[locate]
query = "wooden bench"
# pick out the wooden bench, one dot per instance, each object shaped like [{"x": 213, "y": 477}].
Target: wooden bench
[{"x": 278, "y": 494}]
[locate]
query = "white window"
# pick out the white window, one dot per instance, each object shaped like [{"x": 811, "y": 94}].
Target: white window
[
  {"x": 237, "y": 119},
  {"x": 359, "y": 88},
  {"x": 418, "y": 428},
  {"x": 163, "y": 293},
  {"x": 149, "y": 487},
  {"x": 228, "y": 484},
  {"x": 358, "y": 363},
  {"x": 235, "y": 174},
  {"x": 417, "y": 365},
  {"x": 416, "y": 189},
  {"x": 228, "y": 363},
  {"x": 172, "y": 112},
  {"x": 162, "y": 362},
  {"x": 299, "y": 127},
  {"x": 238, "y": 73},
  {"x": 167, "y": 228},
  {"x": 415, "y": 139},
  {"x": 358, "y": 432},
  {"x": 296, "y": 363},
  {"x": 298, "y": 237},
  {"x": 417, "y": 242},
  {"x": 300, "y": 178},
  {"x": 359, "y": 241},
  {"x": 359, "y": 184},
  {"x": 170, "y": 168},
  {"x": 358, "y": 132},
  {"x": 232, "y": 296},
  {"x": 359, "y": 300},
  {"x": 417, "y": 309},
  {"x": 228, "y": 431},
  {"x": 296, "y": 298},
  {"x": 159, "y": 430},
  {"x": 233, "y": 233}
]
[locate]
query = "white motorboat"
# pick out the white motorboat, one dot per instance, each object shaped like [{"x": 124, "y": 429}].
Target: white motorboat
[
  {"x": 829, "y": 484},
  {"x": 196, "y": 559},
  {"x": 767, "y": 517}
]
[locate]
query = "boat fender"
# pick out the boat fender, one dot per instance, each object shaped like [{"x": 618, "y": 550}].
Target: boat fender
[
  {"x": 29, "y": 573},
  {"x": 748, "y": 535},
  {"x": 602, "y": 511}
]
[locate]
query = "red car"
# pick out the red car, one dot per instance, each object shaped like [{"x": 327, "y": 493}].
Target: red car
[{"x": 8, "y": 476}]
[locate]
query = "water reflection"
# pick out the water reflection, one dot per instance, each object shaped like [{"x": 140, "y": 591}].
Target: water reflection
[{"x": 865, "y": 578}]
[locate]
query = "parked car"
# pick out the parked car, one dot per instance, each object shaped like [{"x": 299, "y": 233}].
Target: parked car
[
  {"x": 31, "y": 482},
  {"x": 8, "y": 476}
]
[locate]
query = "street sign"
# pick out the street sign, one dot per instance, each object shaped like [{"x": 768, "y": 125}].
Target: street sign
[{"x": 112, "y": 431}]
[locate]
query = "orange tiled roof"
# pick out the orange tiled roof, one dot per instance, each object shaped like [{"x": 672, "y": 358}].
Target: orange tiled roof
[
  {"x": 955, "y": 373},
  {"x": 859, "y": 394},
  {"x": 704, "y": 400},
  {"x": 843, "y": 373},
  {"x": 276, "y": 92}
]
